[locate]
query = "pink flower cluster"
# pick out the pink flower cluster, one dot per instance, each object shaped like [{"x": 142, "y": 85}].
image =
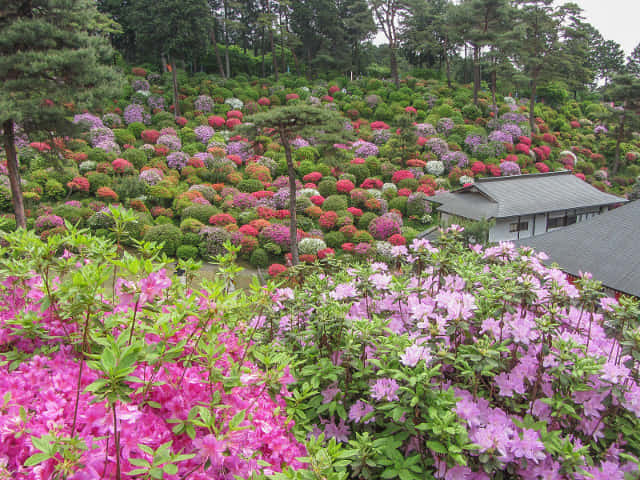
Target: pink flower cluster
[{"x": 39, "y": 398}]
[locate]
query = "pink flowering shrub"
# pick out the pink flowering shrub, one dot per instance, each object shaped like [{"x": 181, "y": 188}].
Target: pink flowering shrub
[
  {"x": 103, "y": 398},
  {"x": 463, "y": 380}
]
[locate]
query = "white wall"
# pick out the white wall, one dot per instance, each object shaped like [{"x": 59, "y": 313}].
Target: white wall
[{"x": 500, "y": 231}]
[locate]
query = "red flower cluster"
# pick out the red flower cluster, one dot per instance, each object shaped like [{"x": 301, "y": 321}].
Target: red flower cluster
[
  {"x": 379, "y": 125},
  {"x": 313, "y": 177},
  {"x": 79, "y": 184},
  {"x": 216, "y": 121},
  {"x": 276, "y": 269},
  {"x": 120, "y": 165},
  {"x": 328, "y": 220},
  {"x": 371, "y": 183},
  {"x": 150, "y": 136},
  {"x": 317, "y": 200},
  {"x": 401, "y": 175},
  {"x": 344, "y": 186},
  {"x": 107, "y": 194},
  {"x": 221, "y": 219}
]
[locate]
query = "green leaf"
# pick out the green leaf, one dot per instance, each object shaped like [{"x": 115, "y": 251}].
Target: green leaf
[
  {"x": 436, "y": 446},
  {"x": 36, "y": 458}
]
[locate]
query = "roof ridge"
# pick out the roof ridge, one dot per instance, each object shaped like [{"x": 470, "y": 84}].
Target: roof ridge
[{"x": 519, "y": 177}]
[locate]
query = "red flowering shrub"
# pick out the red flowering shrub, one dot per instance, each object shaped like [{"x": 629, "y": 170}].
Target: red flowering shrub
[
  {"x": 313, "y": 177},
  {"x": 234, "y": 114},
  {"x": 249, "y": 230},
  {"x": 327, "y": 98},
  {"x": 40, "y": 146},
  {"x": 138, "y": 205},
  {"x": 264, "y": 101},
  {"x": 233, "y": 123},
  {"x": 404, "y": 192},
  {"x": 221, "y": 219},
  {"x": 410, "y": 110},
  {"x": 422, "y": 141},
  {"x": 317, "y": 200},
  {"x": 379, "y": 125},
  {"x": 195, "y": 162},
  {"x": 79, "y": 184},
  {"x": 139, "y": 72},
  {"x": 282, "y": 214},
  {"x": 292, "y": 96},
  {"x": 426, "y": 189},
  {"x": 401, "y": 175},
  {"x": 357, "y": 161},
  {"x": 478, "y": 168},
  {"x": 522, "y": 148},
  {"x": 266, "y": 212},
  {"x": 106, "y": 193},
  {"x": 397, "y": 239},
  {"x": 416, "y": 162},
  {"x": 181, "y": 121},
  {"x": 150, "y": 136},
  {"x": 216, "y": 121},
  {"x": 307, "y": 258},
  {"x": 161, "y": 150},
  {"x": 525, "y": 140},
  {"x": 575, "y": 124},
  {"x": 348, "y": 247},
  {"x": 581, "y": 176},
  {"x": 276, "y": 269},
  {"x": 333, "y": 89},
  {"x": 542, "y": 167},
  {"x": 371, "y": 183},
  {"x": 328, "y": 220},
  {"x": 356, "y": 212},
  {"x": 344, "y": 186},
  {"x": 325, "y": 252},
  {"x": 120, "y": 165}
]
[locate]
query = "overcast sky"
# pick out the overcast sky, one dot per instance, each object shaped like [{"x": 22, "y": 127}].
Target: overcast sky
[{"x": 617, "y": 20}]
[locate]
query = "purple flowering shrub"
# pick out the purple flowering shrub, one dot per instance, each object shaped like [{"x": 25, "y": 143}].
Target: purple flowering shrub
[
  {"x": 113, "y": 377},
  {"x": 463, "y": 363}
]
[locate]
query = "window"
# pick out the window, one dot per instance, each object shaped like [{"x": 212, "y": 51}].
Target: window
[
  {"x": 557, "y": 222},
  {"x": 518, "y": 226}
]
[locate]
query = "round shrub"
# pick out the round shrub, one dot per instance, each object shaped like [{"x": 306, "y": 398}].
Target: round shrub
[
  {"x": 365, "y": 220},
  {"x": 360, "y": 171},
  {"x": 334, "y": 239},
  {"x": 186, "y": 252},
  {"x": 259, "y": 258},
  {"x": 362, "y": 236},
  {"x": 327, "y": 187},
  {"x": 54, "y": 190},
  {"x": 399, "y": 203},
  {"x": 202, "y": 213},
  {"x": 250, "y": 185},
  {"x": 410, "y": 183},
  {"x": 169, "y": 234},
  {"x": 190, "y": 238},
  {"x": 385, "y": 226},
  {"x": 311, "y": 246},
  {"x": 336, "y": 203}
]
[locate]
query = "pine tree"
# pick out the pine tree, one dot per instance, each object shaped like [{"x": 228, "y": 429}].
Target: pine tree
[
  {"x": 624, "y": 90},
  {"x": 53, "y": 56},
  {"x": 287, "y": 123}
]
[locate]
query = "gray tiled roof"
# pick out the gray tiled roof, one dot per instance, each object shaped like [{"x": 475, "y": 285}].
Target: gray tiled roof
[
  {"x": 607, "y": 246},
  {"x": 519, "y": 195}
]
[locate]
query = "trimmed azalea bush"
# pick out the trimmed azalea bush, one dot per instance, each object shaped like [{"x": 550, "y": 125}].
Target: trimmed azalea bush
[{"x": 169, "y": 235}]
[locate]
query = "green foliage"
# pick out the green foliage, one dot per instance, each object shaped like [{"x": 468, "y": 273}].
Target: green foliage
[
  {"x": 185, "y": 252},
  {"x": 168, "y": 234},
  {"x": 259, "y": 258},
  {"x": 337, "y": 203}
]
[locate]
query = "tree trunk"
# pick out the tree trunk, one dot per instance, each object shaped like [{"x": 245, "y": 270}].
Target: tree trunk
[
  {"x": 494, "y": 83},
  {"x": 176, "y": 100},
  {"x": 264, "y": 48},
  {"x": 476, "y": 74},
  {"x": 393, "y": 61},
  {"x": 293, "y": 229},
  {"x": 532, "y": 103},
  {"x": 163, "y": 59},
  {"x": 14, "y": 174},
  {"x": 447, "y": 62},
  {"x": 214, "y": 39},
  {"x": 619, "y": 138},
  {"x": 274, "y": 60}
]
